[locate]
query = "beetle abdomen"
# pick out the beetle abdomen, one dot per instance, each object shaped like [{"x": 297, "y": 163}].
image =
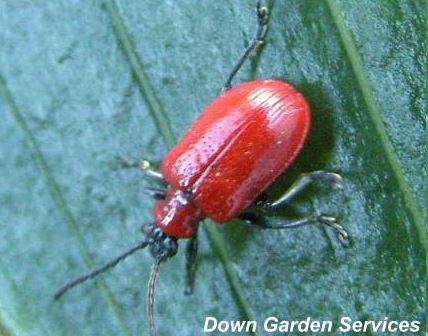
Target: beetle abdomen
[{"x": 237, "y": 147}]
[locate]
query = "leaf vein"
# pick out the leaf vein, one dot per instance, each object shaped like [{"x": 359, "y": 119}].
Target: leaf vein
[
  {"x": 58, "y": 197},
  {"x": 162, "y": 123},
  {"x": 375, "y": 114}
]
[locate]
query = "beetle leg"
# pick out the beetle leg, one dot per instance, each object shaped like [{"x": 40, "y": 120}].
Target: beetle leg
[
  {"x": 262, "y": 200},
  {"x": 191, "y": 252},
  {"x": 305, "y": 179},
  {"x": 142, "y": 165},
  {"x": 341, "y": 233},
  {"x": 156, "y": 193},
  {"x": 262, "y": 20}
]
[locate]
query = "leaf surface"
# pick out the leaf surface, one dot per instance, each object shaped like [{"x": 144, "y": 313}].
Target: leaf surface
[{"x": 82, "y": 82}]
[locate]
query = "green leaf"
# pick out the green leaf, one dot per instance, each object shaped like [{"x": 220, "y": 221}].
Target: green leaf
[{"x": 83, "y": 82}]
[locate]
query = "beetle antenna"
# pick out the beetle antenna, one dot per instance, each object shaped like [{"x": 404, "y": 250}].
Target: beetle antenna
[
  {"x": 151, "y": 294},
  {"x": 98, "y": 271}
]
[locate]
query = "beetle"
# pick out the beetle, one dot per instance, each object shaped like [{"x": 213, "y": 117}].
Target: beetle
[{"x": 235, "y": 149}]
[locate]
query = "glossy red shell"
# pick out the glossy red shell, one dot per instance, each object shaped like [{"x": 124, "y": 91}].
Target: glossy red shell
[
  {"x": 176, "y": 215},
  {"x": 238, "y": 146}
]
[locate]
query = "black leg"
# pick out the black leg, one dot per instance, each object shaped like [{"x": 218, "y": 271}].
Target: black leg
[
  {"x": 262, "y": 200},
  {"x": 156, "y": 193},
  {"x": 262, "y": 19},
  {"x": 191, "y": 252},
  {"x": 341, "y": 233}
]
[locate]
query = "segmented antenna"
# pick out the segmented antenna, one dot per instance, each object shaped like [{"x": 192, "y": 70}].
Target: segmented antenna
[
  {"x": 98, "y": 271},
  {"x": 151, "y": 294}
]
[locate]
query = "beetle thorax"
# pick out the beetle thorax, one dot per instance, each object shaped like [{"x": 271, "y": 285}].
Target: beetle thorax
[{"x": 177, "y": 215}]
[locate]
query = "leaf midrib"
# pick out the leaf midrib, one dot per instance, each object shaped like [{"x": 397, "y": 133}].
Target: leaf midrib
[{"x": 162, "y": 122}]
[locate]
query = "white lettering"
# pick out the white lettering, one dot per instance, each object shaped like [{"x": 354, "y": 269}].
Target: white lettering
[
  {"x": 209, "y": 319},
  {"x": 345, "y": 325},
  {"x": 223, "y": 326},
  {"x": 243, "y": 326},
  {"x": 303, "y": 326},
  {"x": 357, "y": 326},
  {"x": 327, "y": 326},
  {"x": 393, "y": 326},
  {"x": 271, "y": 324},
  {"x": 414, "y": 326},
  {"x": 377, "y": 326},
  {"x": 404, "y": 326},
  {"x": 315, "y": 326},
  {"x": 212, "y": 324},
  {"x": 284, "y": 326}
]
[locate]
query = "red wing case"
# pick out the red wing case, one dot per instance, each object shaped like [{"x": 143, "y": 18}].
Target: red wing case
[{"x": 238, "y": 146}]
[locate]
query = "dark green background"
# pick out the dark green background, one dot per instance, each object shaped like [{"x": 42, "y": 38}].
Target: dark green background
[{"x": 83, "y": 81}]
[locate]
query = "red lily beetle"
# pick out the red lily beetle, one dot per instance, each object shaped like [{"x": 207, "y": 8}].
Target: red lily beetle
[{"x": 233, "y": 151}]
